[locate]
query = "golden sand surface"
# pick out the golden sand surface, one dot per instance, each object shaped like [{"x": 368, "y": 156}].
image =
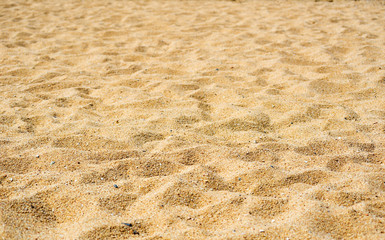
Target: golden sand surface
[{"x": 192, "y": 119}]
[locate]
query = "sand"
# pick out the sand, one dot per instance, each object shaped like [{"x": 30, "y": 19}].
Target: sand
[{"x": 192, "y": 119}]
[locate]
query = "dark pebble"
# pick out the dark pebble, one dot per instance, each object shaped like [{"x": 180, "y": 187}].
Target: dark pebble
[
  {"x": 128, "y": 224},
  {"x": 135, "y": 232},
  {"x": 116, "y": 186}
]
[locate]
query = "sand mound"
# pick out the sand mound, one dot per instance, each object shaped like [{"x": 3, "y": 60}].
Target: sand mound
[{"x": 192, "y": 120}]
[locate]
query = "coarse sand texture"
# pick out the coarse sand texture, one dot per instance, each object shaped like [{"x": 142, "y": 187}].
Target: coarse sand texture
[{"x": 161, "y": 119}]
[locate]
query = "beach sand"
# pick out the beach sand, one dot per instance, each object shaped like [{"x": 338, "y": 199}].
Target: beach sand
[{"x": 192, "y": 119}]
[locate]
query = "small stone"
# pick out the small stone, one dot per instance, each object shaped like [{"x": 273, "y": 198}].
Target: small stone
[
  {"x": 11, "y": 179},
  {"x": 115, "y": 186},
  {"x": 261, "y": 231},
  {"x": 37, "y": 156},
  {"x": 128, "y": 224},
  {"x": 217, "y": 69},
  {"x": 135, "y": 232},
  {"x": 52, "y": 163}
]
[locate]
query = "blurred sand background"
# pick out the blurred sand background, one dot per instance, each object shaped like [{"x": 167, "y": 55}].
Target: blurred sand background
[{"x": 192, "y": 119}]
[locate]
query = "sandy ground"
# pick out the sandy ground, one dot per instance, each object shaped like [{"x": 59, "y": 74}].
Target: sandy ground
[{"x": 192, "y": 120}]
